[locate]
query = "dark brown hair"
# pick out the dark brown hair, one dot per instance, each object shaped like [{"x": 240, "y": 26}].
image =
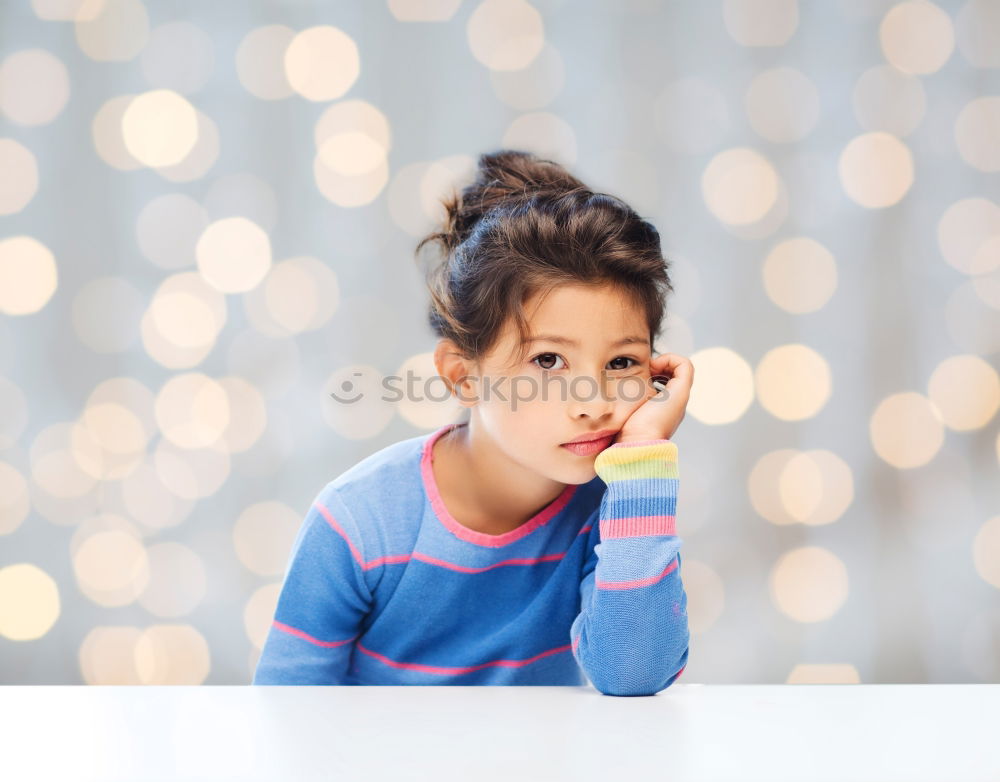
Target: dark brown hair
[{"x": 525, "y": 225}]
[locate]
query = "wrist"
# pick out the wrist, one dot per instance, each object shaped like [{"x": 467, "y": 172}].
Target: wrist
[{"x": 641, "y": 439}]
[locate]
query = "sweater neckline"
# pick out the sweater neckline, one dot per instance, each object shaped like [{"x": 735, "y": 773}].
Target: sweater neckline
[{"x": 543, "y": 517}]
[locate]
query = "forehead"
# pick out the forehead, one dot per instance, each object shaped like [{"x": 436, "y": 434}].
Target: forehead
[{"x": 586, "y": 314}]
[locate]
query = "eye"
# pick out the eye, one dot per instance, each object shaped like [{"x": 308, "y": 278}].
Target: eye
[
  {"x": 624, "y": 358},
  {"x": 544, "y": 356}
]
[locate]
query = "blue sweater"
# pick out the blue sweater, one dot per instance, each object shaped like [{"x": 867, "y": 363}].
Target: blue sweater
[{"x": 384, "y": 587}]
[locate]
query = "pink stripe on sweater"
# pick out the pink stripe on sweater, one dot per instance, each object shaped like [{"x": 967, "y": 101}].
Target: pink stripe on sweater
[
  {"x": 641, "y": 442},
  {"x": 306, "y": 637},
  {"x": 464, "y": 669},
  {"x": 640, "y": 582},
  {"x": 464, "y": 569},
  {"x": 635, "y": 526}
]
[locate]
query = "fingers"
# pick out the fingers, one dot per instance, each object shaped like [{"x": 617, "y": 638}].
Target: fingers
[{"x": 675, "y": 366}]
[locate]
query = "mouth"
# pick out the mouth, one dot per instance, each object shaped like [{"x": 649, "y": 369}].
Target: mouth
[{"x": 590, "y": 447}]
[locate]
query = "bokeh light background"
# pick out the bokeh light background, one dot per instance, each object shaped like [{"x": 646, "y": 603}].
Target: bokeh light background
[{"x": 207, "y": 220}]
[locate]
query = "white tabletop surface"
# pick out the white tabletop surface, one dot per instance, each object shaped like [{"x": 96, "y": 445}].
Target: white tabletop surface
[{"x": 687, "y": 732}]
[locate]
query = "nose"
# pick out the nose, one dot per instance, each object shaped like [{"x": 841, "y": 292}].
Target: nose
[{"x": 588, "y": 398}]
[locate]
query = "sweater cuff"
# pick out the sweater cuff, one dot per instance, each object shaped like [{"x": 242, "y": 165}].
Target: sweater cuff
[{"x": 642, "y": 481}]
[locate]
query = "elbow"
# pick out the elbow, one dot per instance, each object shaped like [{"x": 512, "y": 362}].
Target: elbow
[{"x": 635, "y": 683}]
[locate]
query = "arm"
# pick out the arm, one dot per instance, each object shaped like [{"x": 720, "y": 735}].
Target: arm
[
  {"x": 323, "y": 600},
  {"x": 631, "y": 635}
]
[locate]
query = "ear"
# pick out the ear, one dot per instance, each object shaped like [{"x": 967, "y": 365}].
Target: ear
[{"x": 456, "y": 371}]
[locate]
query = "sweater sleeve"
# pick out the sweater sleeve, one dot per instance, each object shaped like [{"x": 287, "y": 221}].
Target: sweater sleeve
[
  {"x": 323, "y": 600},
  {"x": 631, "y": 635}
]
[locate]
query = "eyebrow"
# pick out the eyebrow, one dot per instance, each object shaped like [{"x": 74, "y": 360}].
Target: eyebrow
[{"x": 575, "y": 344}]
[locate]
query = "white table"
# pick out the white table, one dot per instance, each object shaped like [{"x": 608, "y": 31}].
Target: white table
[{"x": 687, "y": 732}]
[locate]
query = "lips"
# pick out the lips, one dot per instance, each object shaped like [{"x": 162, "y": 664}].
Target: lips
[{"x": 590, "y": 437}]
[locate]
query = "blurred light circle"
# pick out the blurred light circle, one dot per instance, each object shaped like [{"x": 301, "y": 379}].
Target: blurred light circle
[
  {"x": 148, "y": 500},
  {"x": 15, "y": 504},
  {"x": 322, "y": 63},
  {"x": 761, "y": 22},
  {"x": 986, "y": 551},
  {"x": 876, "y": 169},
  {"x": 20, "y": 180},
  {"x": 809, "y": 584},
  {"x": 977, "y": 29},
  {"x": 544, "y": 134},
  {"x": 534, "y": 86},
  {"x": 191, "y": 473},
  {"x": 725, "y": 386},
  {"x": 234, "y": 254},
  {"x": 416, "y": 193},
  {"x": 763, "y": 486},
  {"x": 505, "y": 35},
  {"x": 34, "y": 87},
  {"x": 66, "y": 10},
  {"x": 168, "y": 229},
  {"x": 107, "y": 655},
  {"x": 423, "y": 10},
  {"x": 54, "y": 466},
  {"x": 966, "y": 391},
  {"x": 258, "y": 614},
  {"x": 793, "y": 382},
  {"x": 783, "y": 104},
  {"x": 263, "y": 536},
  {"x": 906, "y": 430},
  {"x": 174, "y": 654},
  {"x": 106, "y": 131},
  {"x": 800, "y": 275},
  {"x": 177, "y": 580},
  {"x": 160, "y": 128},
  {"x": 917, "y": 36},
  {"x": 183, "y": 320},
  {"x": 247, "y": 415},
  {"x": 824, "y": 673},
  {"x": 202, "y": 156},
  {"x": 352, "y": 153},
  {"x": 816, "y": 487},
  {"x": 887, "y": 99},
  {"x": 706, "y": 595},
  {"x": 298, "y": 294},
  {"x": 118, "y": 32},
  {"x": 192, "y": 410},
  {"x": 967, "y": 234},
  {"x": 111, "y": 567},
  {"x": 739, "y": 186},
  {"x": 349, "y": 190},
  {"x": 29, "y": 602},
  {"x": 28, "y": 275},
  {"x": 260, "y": 60},
  {"x": 353, "y": 116},
  {"x": 977, "y": 130},
  {"x": 972, "y": 323}
]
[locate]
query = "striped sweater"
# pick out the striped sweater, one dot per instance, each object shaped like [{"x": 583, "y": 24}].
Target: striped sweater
[{"x": 384, "y": 587}]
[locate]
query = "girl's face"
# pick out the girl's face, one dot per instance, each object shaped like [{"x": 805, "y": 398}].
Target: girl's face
[{"x": 585, "y": 371}]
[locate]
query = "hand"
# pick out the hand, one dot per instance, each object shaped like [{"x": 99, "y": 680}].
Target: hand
[{"x": 658, "y": 417}]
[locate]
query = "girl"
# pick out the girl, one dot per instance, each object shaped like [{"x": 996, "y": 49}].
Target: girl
[{"x": 534, "y": 542}]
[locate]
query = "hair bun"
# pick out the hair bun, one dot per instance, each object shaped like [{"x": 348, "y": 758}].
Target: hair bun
[{"x": 503, "y": 177}]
